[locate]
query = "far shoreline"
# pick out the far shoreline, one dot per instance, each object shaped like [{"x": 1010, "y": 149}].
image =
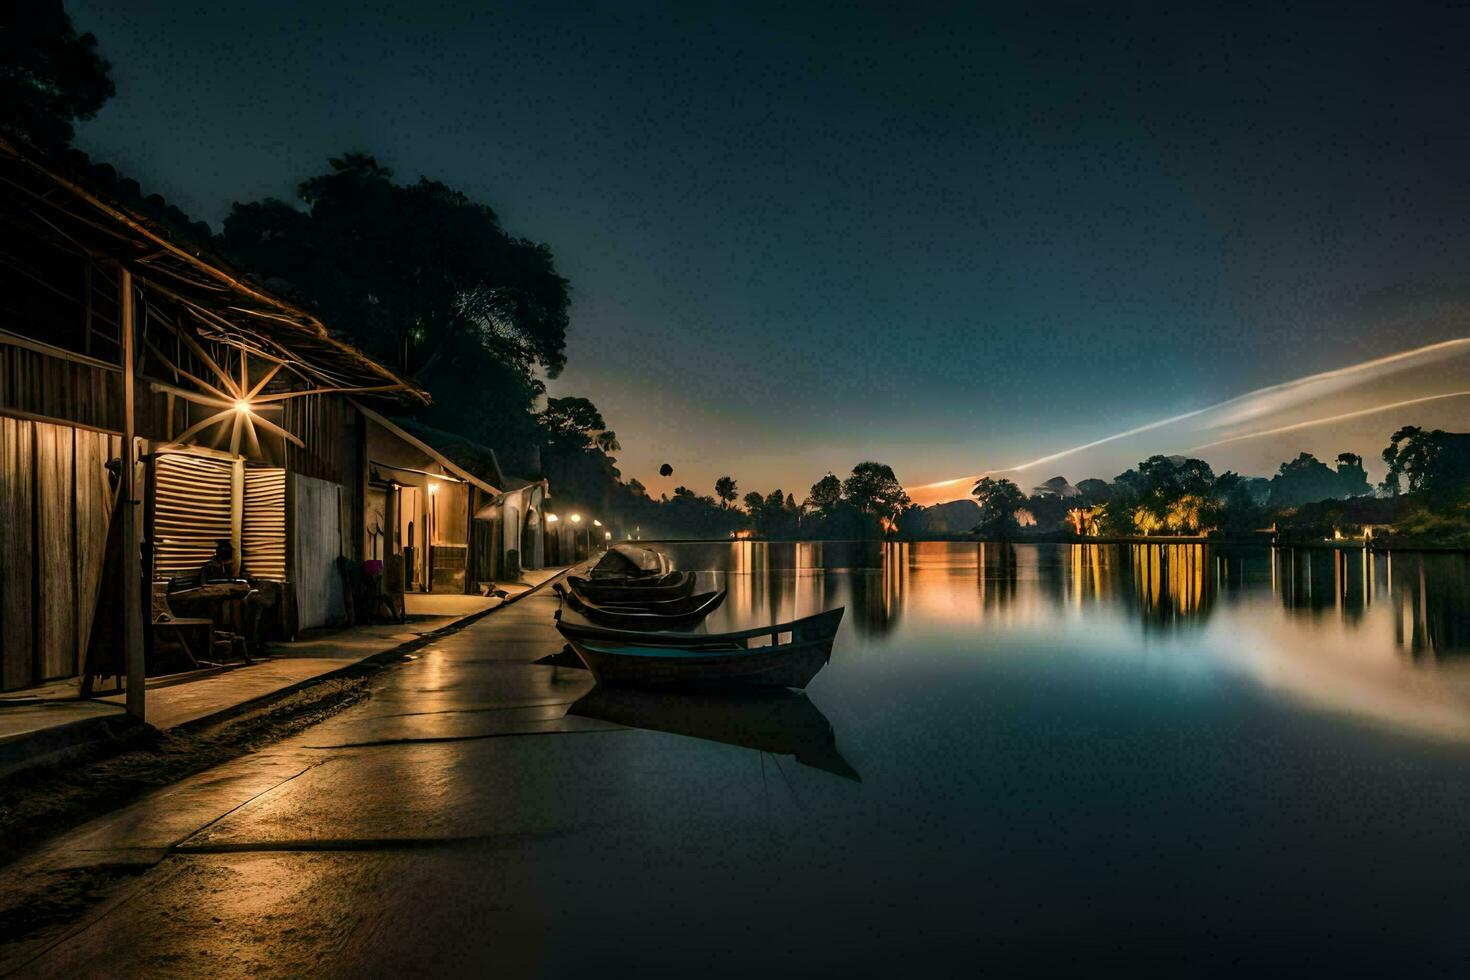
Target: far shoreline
[{"x": 1263, "y": 542}]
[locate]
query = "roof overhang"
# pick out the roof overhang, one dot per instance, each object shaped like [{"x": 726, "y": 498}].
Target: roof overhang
[
  {"x": 459, "y": 471},
  {"x": 225, "y": 306}
]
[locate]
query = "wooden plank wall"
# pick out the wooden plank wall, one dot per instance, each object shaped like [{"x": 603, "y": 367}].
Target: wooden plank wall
[
  {"x": 55, "y": 505},
  {"x": 56, "y": 552},
  {"x": 17, "y": 602},
  {"x": 95, "y": 497},
  {"x": 50, "y": 386}
]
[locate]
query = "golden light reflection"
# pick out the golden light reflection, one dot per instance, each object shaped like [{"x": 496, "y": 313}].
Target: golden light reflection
[{"x": 1378, "y": 636}]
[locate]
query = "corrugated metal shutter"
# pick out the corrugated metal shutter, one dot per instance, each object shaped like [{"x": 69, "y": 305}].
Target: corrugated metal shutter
[
  {"x": 263, "y": 534},
  {"x": 191, "y": 512}
]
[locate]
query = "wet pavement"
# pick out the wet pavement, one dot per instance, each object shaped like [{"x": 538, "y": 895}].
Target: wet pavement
[{"x": 459, "y": 820}]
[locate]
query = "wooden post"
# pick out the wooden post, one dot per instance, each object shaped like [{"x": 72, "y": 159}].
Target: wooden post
[
  {"x": 131, "y": 531},
  {"x": 237, "y": 514}
]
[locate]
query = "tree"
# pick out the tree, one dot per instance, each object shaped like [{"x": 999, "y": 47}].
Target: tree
[
  {"x": 754, "y": 502},
  {"x": 571, "y": 421},
  {"x": 874, "y": 490},
  {"x": 607, "y": 441},
  {"x": 1351, "y": 477},
  {"x": 999, "y": 500},
  {"x": 1239, "y": 512},
  {"x": 50, "y": 76},
  {"x": 1437, "y": 463},
  {"x": 1304, "y": 480},
  {"x": 1194, "y": 477},
  {"x": 1094, "y": 491},
  {"x": 423, "y": 278},
  {"x": 725, "y": 489},
  {"x": 825, "y": 494}
]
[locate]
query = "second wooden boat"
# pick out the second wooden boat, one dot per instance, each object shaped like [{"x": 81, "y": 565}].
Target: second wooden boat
[
  {"x": 783, "y": 655},
  {"x": 627, "y": 563},
  {"x": 669, "y": 614},
  {"x": 674, "y": 585}
]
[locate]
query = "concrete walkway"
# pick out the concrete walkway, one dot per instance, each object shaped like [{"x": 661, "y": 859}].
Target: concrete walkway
[
  {"x": 475, "y": 816},
  {"x": 37, "y": 723}
]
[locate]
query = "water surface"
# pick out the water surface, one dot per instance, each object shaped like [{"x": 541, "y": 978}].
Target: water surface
[{"x": 1083, "y": 756}]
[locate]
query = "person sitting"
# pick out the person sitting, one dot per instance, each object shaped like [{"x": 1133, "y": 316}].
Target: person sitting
[{"x": 221, "y": 565}]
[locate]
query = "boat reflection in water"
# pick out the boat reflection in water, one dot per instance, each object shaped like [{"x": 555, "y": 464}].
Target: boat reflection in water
[{"x": 781, "y": 722}]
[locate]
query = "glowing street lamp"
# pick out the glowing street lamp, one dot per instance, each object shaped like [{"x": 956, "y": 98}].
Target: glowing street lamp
[
  {"x": 552, "y": 518},
  {"x": 576, "y": 518}
]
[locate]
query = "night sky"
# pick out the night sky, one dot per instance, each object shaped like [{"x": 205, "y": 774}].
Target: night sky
[{"x": 952, "y": 242}]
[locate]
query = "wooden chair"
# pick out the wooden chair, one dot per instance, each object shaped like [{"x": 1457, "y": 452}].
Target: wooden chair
[{"x": 179, "y": 630}]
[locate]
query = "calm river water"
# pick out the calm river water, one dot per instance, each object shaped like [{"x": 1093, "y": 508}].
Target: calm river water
[{"x": 1088, "y": 755}]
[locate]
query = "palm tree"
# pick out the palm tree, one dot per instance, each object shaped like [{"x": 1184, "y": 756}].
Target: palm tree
[
  {"x": 607, "y": 441},
  {"x": 725, "y": 490}
]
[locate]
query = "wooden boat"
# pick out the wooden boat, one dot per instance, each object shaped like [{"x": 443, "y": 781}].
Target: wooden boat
[
  {"x": 626, "y": 563},
  {"x": 674, "y": 585},
  {"x": 778, "y": 721},
  {"x": 671, "y": 614},
  {"x": 790, "y": 656}
]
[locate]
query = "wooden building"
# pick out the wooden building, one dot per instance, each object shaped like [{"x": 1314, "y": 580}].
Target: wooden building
[
  {"x": 445, "y": 506},
  {"x": 149, "y": 391}
]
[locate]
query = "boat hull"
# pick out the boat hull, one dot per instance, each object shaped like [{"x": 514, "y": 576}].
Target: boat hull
[
  {"x": 792, "y": 665},
  {"x": 683, "y": 615}
]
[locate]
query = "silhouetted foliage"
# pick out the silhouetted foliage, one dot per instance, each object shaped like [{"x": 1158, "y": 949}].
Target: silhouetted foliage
[
  {"x": 999, "y": 500},
  {"x": 424, "y": 279},
  {"x": 874, "y": 490},
  {"x": 570, "y": 422},
  {"x": 725, "y": 490},
  {"x": 1437, "y": 463},
  {"x": 50, "y": 76},
  {"x": 825, "y": 494},
  {"x": 1307, "y": 479}
]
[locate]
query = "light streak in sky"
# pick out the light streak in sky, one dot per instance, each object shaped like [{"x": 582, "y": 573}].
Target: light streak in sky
[
  {"x": 1252, "y": 404},
  {"x": 1329, "y": 419}
]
